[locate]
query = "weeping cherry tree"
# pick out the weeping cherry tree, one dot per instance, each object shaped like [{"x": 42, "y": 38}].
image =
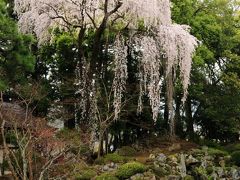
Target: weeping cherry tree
[{"x": 161, "y": 44}]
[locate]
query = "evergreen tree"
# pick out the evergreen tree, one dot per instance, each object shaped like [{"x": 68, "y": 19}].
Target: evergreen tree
[{"x": 16, "y": 60}]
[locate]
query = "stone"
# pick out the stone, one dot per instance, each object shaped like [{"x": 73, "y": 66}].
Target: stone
[
  {"x": 137, "y": 176},
  {"x": 112, "y": 165},
  {"x": 174, "y": 177},
  {"x": 173, "y": 158},
  {"x": 156, "y": 164},
  {"x": 235, "y": 173},
  {"x": 191, "y": 160},
  {"x": 105, "y": 168},
  {"x": 209, "y": 158},
  {"x": 222, "y": 163},
  {"x": 161, "y": 158},
  {"x": 183, "y": 169},
  {"x": 220, "y": 171},
  {"x": 152, "y": 156},
  {"x": 214, "y": 176}
]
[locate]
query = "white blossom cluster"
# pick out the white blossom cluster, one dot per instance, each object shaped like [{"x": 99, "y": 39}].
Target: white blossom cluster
[
  {"x": 166, "y": 45},
  {"x": 152, "y": 12},
  {"x": 149, "y": 68},
  {"x": 178, "y": 46},
  {"x": 120, "y": 75}
]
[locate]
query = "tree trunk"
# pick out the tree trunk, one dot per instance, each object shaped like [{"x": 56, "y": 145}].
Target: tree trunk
[
  {"x": 188, "y": 109},
  {"x": 100, "y": 147},
  {"x": 106, "y": 142},
  {"x": 30, "y": 163},
  {"x": 179, "y": 126},
  {"x": 166, "y": 113}
]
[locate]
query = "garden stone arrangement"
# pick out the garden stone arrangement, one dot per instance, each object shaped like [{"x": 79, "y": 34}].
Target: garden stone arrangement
[{"x": 202, "y": 163}]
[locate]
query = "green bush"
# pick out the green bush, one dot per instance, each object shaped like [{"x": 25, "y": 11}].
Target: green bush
[
  {"x": 236, "y": 157},
  {"x": 127, "y": 151},
  {"x": 116, "y": 158},
  {"x": 106, "y": 176},
  {"x": 233, "y": 147},
  {"x": 209, "y": 143},
  {"x": 129, "y": 169},
  {"x": 87, "y": 174},
  {"x": 236, "y": 147},
  {"x": 217, "y": 152}
]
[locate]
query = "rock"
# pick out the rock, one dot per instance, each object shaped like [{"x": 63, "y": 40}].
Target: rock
[
  {"x": 105, "y": 168},
  {"x": 149, "y": 175},
  {"x": 156, "y": 164},
  {"x": 220, "y": 171},
  {"x": 235, "y": 173},
  {"x": 191, "y": 160},
  {"x": 173, "y": 158},
  {"x": 214, "y": 176},
  {"x": 183, "y": 169},
  {"x": 152, "y": 156},
  {"x": 161, "y": 158},
  {"x": 209, "y": 158},
  {"x": 137, "y": 176},
  {"x": 173, "y": 177},
  {"x": 160, "y": 171},
  {"x": 111, "y": 169},
  {"x": 222, "y": 163},
  {"x": 112, "y": 165},
  {"x": 204, "y": 163}
]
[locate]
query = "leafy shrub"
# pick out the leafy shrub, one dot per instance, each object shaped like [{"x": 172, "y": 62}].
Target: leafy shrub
[
  {"x": 116, "y": 158},
  {"x": 127, "y": 151},
  {"x": 217, "y": 152},
  {"x": 87, "y": 174},
  {"x": 236, "y": 147},
  {"x": 200, "y": 172},
  {"x": 127, "y": 170},
  {"x": 236, "y": 157},
  {"x": 209, "y": 143},
  {"x": 233, "y": 147},
  {"x": 106, "y": 176}
]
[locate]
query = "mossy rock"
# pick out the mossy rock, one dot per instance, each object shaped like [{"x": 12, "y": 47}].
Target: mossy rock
[
  {"x": 236, "y": 157},
  {"x": 116, "y": 158},
  {"x": 129, "y": 169},
  {"x": 106, "y": 176},
  {"x": 127, "y": 151},
  {"x": 86, "y": 174},
  {"x": 159, "y": 171}
]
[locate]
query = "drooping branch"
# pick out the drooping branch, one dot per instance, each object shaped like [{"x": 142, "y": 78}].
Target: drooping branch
[{"x": 162, "y": 44}]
